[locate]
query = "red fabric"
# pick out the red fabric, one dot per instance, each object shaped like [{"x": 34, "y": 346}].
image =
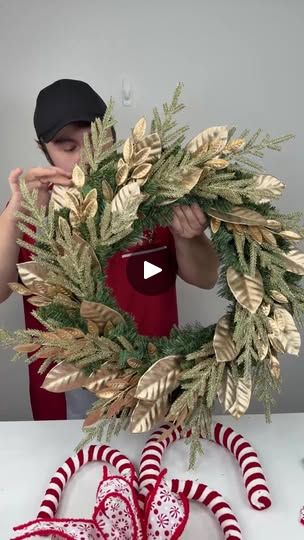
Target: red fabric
[
  {"x": 154, "y": 316},
  {"x": 45, "y": 405}
]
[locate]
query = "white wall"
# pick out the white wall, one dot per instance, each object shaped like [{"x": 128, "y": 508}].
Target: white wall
[{"x": 241, "y": 62}]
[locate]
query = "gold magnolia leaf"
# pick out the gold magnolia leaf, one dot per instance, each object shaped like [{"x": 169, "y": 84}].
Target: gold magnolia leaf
[
  {"x": 238, "y": 229},
  {"x": 96, "y": 381},
  {"x": 151, "y": 348},
  {"x": 107, "y": 191},
  {"x": 216, "y": 136},
  {"x": 141, "y": 171},
  {"x": 81, "y": 244},
  {"x": 91, "y": 196},
  {"x": 108, "y": 327},
  {"x": 93, "y": 328},
  {"x": 262, "y": 347},
  {"x": 89, "y": 250},
  {"x": 294, "y": 261},
  {"x": 27, "y": 347},
  {"x": 119, "y": 383},
  {"x": 130, "y": 192},
  {"x": 256, "y": 234},
  {"x": 141, "y": 156},
  {"x": 274, "y": 225},
  {"x": 217, "y": 164},
  {"x": 139, "y": 129},
  {"x": 247, "y": 290},
  {"x": 64, "y": 377},
  {"x": 161, "y": 378},
  {"x": 278, "y": 297},
  {"x": 148, "y": 414},
  {"x": 234, "y": 146},
  {"x": 75, "y": 219},
  {"x": 216, "y": 146},
  {"x": 100, "y": 314},
  {"x": 59, "y": 196},
  {"x": 73, "y": 199},
  {"x": 152, "y": 142},
  {"x": 291, "y": 235},
  {"x": 215, "y": 225},
  {"x": 90, "y": 210},
  {"x": 239, "y": 215},
  {"x": 39, "y": 301},
  {"x": 122, "y": 174},
  {"x": 115, "y": 408},
  {"x": 129, "y": 399},
  {"x": 134, "y": 363},
  {"x": 285, "y": 337},
  {"x": 197, "y": 147},
  {"x": 269, "y": 184},
  {"x": 128, "y": 150},
  {"x": 62, "y": 333},
  {"x": 224, "y": 346},
  {"x": 42, "y": 289},
  {"x": 107, "y": 393},
  {"x": 50, "y": 352},
  {"x": 19, "y": 289},
  {"x": 190, "y": 178},
  {"x": 78, "y": 177},
  {"x": 30, "y": 272},
  {"x": 64, "y": 227},
  {"x": 275, "y": 337},
  {"x": 227, "y": 392},
  {"x": 274, "y": 365},
  {"x": 268, "y": 237},
  {"x": 276, "y": 326},
  {"x": 242, "y": 398}
]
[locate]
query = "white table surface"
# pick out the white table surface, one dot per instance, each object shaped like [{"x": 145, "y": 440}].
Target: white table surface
[{"x": 30, "y": 452}]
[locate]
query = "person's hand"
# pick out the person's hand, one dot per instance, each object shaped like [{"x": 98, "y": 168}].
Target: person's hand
[
  {"x": 188, "y": 221},
  {"x": 40, "y": 178}
]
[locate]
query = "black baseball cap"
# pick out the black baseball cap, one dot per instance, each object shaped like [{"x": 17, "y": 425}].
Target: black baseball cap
[{"x": 63, "y": 102}]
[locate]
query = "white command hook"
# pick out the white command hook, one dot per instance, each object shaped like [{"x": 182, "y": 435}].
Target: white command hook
[{"x": 126, "y": 93}]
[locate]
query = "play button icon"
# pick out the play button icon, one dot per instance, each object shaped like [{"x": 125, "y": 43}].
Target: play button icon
[{"x": 151, "y": 270}]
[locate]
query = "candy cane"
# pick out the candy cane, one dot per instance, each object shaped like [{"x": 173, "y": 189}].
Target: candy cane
[
  {"x": 212, "y": 500},
  {"x": 58, "y": 482},
  {"x": 254, "y": 479},
  {"x": 252, "y": 472},
  {"x": 150, "y": 467}
]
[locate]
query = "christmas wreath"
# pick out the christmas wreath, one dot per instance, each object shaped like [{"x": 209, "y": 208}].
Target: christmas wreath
[{"x": 138, "y": 381}]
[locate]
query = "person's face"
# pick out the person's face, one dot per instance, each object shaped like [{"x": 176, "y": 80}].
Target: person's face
[{"x": 64, "y": 150}]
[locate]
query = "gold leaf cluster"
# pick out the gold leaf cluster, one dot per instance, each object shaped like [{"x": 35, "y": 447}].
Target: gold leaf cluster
[{"x": 139, "y": 151}]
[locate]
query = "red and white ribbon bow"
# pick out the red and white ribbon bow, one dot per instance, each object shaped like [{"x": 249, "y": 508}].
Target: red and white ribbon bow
[{"x": 148, "y": 507}]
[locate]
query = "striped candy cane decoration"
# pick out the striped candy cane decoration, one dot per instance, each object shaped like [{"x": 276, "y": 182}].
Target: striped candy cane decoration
[
  {"x": 150, "y": 467},
  {"x": 212, "y": 500},
  {"x": 252, "y": 472},
  {"x": 254, "y": 479},
  {"x": 58, "y": 482}
]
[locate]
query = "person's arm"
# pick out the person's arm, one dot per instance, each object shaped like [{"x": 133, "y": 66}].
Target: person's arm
[
  {"x": 39, "y": 178},
  {"x": 9, "y": 250},
  {"x": 197, "y": 260}
]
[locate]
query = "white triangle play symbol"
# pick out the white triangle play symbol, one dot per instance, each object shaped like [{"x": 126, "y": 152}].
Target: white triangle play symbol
[{"x": 151, "y": 270}]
